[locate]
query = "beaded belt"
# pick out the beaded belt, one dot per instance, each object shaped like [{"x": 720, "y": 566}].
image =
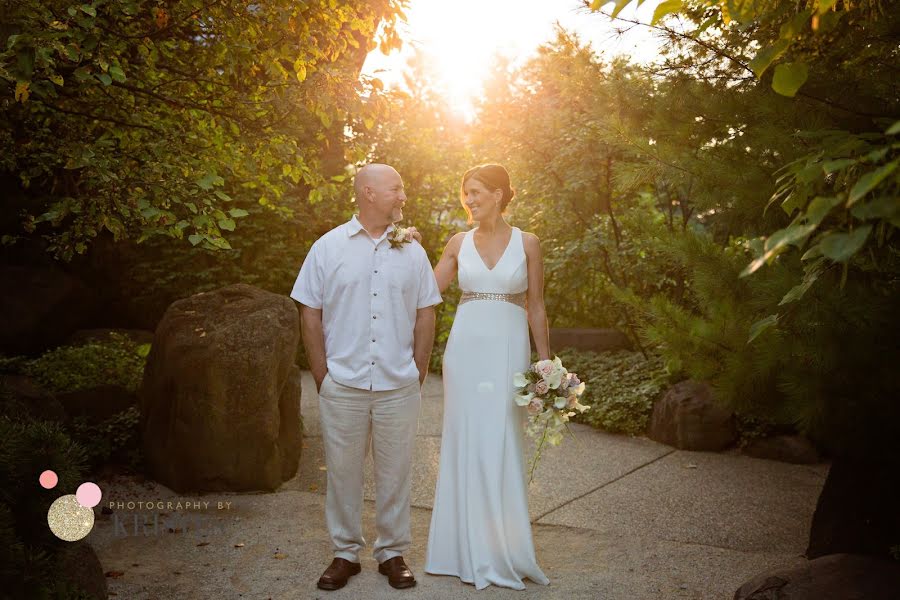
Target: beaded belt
[{"x": 517, "y": 299}]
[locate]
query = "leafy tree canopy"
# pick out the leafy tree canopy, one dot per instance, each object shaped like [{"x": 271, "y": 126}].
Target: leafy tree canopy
[{"x": 149, "y": 118}]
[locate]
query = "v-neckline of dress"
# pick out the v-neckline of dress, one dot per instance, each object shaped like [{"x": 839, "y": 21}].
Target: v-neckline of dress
[{"x": 508, "y": 244}]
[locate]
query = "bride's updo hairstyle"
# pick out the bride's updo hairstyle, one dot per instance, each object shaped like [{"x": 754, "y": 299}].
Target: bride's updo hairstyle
[{"x": 494, "y": 177}]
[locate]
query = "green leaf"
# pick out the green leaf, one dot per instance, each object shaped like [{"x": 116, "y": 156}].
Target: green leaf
[
  {"x": 869, "y": 181},
  {"x": 223, "y": 196},
  {"x": 760, "y": 326},
  {"x": 893, "y": 129},
  {"x": 88, "y": 10},
  {"x": 226, "y": 224},
  {"x": 819, "y": 208},
  {"x": 209, "y": 180},
  {"x": 778, "y": 243},
  {"x": 840, "y": 247},
  {"x": 82, "y": 73},
  {"x": 300, "y": 69},
  {"x": 798, "y": 291},
  {"x": 833, "y": 166},
  {"x": 825, "y": 6},
  {"x": 620, "y": 4},
  {"x": 793, "y": 202},
  {"x": 237, "y": 213},
  {"x": 884, "y": 207},
  {"x": 57, "y": 79},
  {"x": 106, "y": 79},
  {"x": 789, "y": 77},
  {"x": 195, "y": 239},
  {"x": 741, "y": 11},
  {"x": 765, "y": 57},
  {"x": 665, "y": 8},
  {"x": 116, "y": 72},
  {"x": 25, "y": 61},
  {"x": 828, "y": 21},
  {"x": 795, "y": 26},
  {"x": 219, "y": 242}
]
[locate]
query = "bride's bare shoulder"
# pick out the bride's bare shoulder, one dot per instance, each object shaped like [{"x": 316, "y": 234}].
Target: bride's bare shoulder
[
  {"x": 455, "y": 242},
  {"x": 531, "y": 242}
]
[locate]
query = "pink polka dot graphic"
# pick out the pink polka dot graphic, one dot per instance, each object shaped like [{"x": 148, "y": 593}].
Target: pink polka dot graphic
[
  {"x": 48, "y": 479},
  {"x": 88, "y": 494}
]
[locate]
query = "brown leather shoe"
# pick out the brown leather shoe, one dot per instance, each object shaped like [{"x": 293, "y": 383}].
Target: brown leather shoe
[
  {"x": 398, "y": 574},
  {"x": 336, "y": 575}
]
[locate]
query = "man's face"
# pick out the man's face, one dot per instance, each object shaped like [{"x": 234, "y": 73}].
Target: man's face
[{"x": 389, "y": 196}]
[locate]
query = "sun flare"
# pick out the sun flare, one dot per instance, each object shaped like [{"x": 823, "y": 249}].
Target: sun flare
[{"x": 458, "y": 41}]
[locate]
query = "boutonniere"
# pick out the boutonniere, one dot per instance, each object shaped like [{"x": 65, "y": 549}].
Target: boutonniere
[{"x": 400, "y": 236}]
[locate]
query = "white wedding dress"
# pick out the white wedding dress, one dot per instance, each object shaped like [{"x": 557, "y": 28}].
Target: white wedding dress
[{"x": 480, "y": 529}]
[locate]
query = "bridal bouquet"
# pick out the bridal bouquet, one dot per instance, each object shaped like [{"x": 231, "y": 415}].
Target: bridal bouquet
[{"x": 551, "y": 395}]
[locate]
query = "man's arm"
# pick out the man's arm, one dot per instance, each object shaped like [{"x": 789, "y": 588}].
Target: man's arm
[
  {"x": 423, "y": 340},
  {"x": 314, "y": 342}
]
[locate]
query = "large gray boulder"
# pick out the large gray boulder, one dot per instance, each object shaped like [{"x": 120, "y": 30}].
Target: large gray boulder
[
  {"x": 220, "y": 401},
  {"x": 688, "y": 417},
  {"x": 831, "y": 577}
]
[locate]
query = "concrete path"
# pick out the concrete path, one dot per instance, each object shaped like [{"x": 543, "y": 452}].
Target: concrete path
[{"x": 616, "y": 518}]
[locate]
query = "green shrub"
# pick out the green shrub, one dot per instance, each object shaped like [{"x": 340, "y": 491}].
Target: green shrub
[
  {"x": 115, "y": 439},
  {"x": 28, "y": 548},
  {"x": 620, "y": 388},
  {"x": 752, "y": 428},
  {"x": 117, "y": 361}
]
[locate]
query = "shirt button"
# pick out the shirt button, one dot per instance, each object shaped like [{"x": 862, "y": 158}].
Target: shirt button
[
  {"x": 376, "y": 270},
  {"x": 374, "y": 293},
  {"x": 373, "y": 340},
  {"x": 373, "y": 362},
  {"x": 374, "y": 317}
]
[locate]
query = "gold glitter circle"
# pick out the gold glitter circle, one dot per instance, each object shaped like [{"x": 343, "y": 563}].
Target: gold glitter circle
[{"x": 68, "y": 519}]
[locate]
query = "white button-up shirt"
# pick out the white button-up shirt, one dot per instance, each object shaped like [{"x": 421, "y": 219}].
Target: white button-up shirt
[{"x": 369, "y": 294}]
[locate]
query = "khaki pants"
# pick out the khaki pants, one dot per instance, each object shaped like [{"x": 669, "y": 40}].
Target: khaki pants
[{"x": 349, "y": 418}]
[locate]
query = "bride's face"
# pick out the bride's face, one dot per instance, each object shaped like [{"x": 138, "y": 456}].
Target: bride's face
[{"x": 481, "y": 202}]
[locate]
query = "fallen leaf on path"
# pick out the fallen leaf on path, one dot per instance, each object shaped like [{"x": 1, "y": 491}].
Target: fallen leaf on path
[
  {"x": 690, "y": 466},
  {"x": 323, "y": 468},
  {"x": 203, "y": 544},
  {"x": 114, "y": 573},
  {"x": 239, "y": 545},
  {"x": 279, "y": 555}
]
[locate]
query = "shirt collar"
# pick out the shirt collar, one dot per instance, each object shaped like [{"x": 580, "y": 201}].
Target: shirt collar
[{"x": 354, "y": 227}]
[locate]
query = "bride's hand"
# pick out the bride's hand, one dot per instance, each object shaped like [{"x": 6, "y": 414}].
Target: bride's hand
[{"x": 415, "y": 233}]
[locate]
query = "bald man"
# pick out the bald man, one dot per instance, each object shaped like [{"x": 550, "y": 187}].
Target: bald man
[{"x": 367, "y": 319}]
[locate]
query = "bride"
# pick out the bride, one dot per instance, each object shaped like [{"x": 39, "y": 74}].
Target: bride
[{"x": 480, "y": 529}]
